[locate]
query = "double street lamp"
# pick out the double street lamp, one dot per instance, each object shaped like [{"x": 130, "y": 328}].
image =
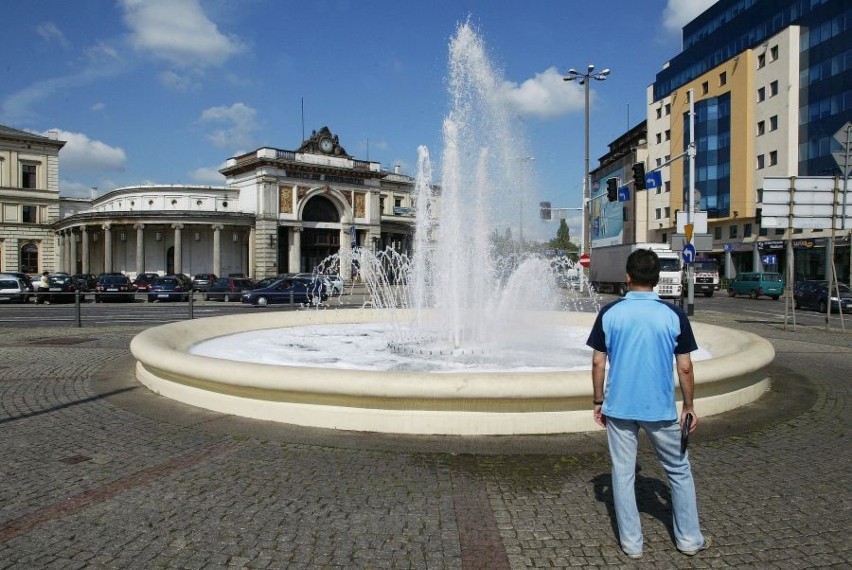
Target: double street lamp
[{"x": 585, "y": 79}]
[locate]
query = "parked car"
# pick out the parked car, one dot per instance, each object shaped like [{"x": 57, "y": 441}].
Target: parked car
[
  {"x": 228, "y": 289},
  {"x": 283, "y": 290},
  {"x": 62, "y": 288},
  {"x": 815, "y": 295},
  {"x": 114, "y": 287},
  {"x": 202, "y": 281},
  {"x": 27, "y": 279},
  {"x": 169, "y": 288},
  {"x": 143, "y": 281},
  {"x": 85, "y": 281},
  {"x": 757, "y": 283},
  {"x": 14, "y": 289}
]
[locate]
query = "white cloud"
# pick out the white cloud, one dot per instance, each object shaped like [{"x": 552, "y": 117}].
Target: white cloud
[
  {"x": 208, "y": 175},
  {"x": 82, "y": 154},
  {"x": 545, "y": 95},
  {"x": 177, "y": 82},
  {"x": 678, "y": 13},
  {"x": 179, "y": 32},
  {"x": 51, "y": 33},
  {"x": 239, "y": 125}
]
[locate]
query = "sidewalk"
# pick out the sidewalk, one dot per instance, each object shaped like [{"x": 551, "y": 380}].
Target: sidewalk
[{"x": 98, "y": 472}]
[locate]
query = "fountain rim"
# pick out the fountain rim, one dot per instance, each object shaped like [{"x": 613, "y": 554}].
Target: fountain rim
[{"x": 388, "y": 401}]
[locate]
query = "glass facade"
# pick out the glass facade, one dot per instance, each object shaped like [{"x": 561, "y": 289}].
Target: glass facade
[
  {"x": 730, "y": 27},
  {"x": 713, "y": 158}
]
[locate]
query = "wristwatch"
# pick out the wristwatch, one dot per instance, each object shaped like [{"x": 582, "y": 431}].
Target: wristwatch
[{"x": 597, "y": 402}]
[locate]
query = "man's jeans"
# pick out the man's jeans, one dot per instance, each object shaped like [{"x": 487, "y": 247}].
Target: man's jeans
[{"x": 665, "y": 437}]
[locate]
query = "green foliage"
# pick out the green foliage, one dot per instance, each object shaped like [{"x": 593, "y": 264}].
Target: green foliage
[{"x": 563, "y": 240}]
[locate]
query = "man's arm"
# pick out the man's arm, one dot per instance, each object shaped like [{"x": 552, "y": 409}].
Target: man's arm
[
  {"x": 598, "y": 376},
  {"x": 686, "y": 377}
]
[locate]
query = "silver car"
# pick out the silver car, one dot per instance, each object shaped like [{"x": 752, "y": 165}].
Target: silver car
[{"x": 14, "y": 289}]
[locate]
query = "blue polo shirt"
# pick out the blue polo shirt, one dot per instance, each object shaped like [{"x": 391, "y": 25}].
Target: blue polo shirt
[{"x": 640, "y": 335}]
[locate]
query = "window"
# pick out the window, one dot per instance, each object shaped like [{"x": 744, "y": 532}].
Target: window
[
  {"x": 732, "y": 232},
  {"x": 763, "y": 232},
  {"x": 773, "y": 123},
  {"x": 659, "y": 138},
  {"x": 761, "y": 128},
  {"x": 773, "y": 158},
  {"x": 658, "y": 213},
  {"x": 761, "y": 60},
  {"x": 659, "y": 161},
  {"x": 28, "y": 176},
  {"x": 779, "y": 231},
  {"x": 705, "y": 88},
  {"x": 760, "y": 161},
  {"x": 668, "y": 108},
  {"x": 659, "y": 112},
  {"x": 761, "y": 94},
  {"x": 668, "y": 135},
  {"x": 717, "y": 233},
  {"x": 773, "y": 53},
  {"x": 668, "y": 212},
  {"x": 29, "y": 214},
  {"x": 746, "y": 230},
  {"x": 723, "y": 78},
  {"x": 668, "y": 185},
  {"x": 773, "y": 89}
]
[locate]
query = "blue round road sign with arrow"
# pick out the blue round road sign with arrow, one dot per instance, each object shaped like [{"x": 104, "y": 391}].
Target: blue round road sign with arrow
[{"x": 688, "y": 253}]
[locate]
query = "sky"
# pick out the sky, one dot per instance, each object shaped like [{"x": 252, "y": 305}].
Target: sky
[{"x": 165, "y": 91}]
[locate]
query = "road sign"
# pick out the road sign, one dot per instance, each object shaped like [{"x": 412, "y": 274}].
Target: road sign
[
  {"x": 653, "y": 180},
  {"x": 585, "y": 260},
  {"x": 623, "y": 194},
  {"x": 687, "y": 230},
  {"x": 688, "y": 253}
]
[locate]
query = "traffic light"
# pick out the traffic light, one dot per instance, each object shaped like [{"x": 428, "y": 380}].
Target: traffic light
[
  {"x": 639, "y": 176},
  {"x": 612, "y": 189},
  {"x": 544, "y": 210}
]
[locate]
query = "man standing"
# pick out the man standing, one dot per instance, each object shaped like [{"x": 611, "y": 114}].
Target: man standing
[{"x": 641, "y": 335}]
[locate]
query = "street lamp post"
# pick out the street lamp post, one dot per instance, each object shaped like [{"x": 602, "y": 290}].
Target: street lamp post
[{"x": 584, "y": 79}]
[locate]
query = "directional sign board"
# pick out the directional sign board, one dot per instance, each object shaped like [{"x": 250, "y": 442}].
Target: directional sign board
[
  {"x": 803, "y": 203},
  {"x": 653, "y": 180},
  {"x": 688, "y": 253},
  {"x": 624, "y": 194}
]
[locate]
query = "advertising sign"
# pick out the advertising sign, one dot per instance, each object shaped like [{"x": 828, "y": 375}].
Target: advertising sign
[{"x": 607, "y": 225}]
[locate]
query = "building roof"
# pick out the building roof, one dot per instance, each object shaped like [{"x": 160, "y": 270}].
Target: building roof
[{"x": 9, "y": 132}]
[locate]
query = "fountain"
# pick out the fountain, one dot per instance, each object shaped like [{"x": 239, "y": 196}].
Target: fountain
[{"x": 489, "y": 318}]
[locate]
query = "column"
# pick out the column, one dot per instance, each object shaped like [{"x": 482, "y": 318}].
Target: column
[
  {"x": 140, "y": 248},
  {"x": 107, "y": 248},
  {"x": 72, "y": 261},
  {"x": 295, "y": 256},
  {"x": 252, "y": 269},
  {"x": 63, "y": 255},
  {"x": 178, "y": 247},
  {"x": 217, "y": 249},
  {"x": 84, "y": 240},
  {"x": 756, "y": 262},
  {"x": 345, "y": 252}
]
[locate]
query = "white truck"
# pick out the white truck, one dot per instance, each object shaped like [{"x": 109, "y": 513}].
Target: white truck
[
  {"x": 705, "y": 272},
  {"x": 607, "y": 272}
]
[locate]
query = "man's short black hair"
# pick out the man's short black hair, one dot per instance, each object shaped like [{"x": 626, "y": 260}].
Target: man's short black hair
[{"x": 643, "y": 267}]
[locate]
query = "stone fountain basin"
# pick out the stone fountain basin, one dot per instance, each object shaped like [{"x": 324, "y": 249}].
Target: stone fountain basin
[{"x": 466, "y": 403}]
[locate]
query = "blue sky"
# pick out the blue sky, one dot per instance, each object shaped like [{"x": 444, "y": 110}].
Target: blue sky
[{"x": 164, "y": 91}]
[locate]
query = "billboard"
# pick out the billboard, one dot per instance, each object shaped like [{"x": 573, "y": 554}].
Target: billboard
[{"x": 607, "y": 218}]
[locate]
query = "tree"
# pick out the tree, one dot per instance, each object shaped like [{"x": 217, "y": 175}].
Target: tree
[{"x": 563, "y": 239}]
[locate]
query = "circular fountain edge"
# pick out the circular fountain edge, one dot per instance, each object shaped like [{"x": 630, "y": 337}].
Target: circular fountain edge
[{"x": 414, "y": 402}]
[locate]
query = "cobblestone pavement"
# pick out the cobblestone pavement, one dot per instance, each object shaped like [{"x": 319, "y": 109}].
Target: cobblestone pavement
[{"x": 97, "y": 472}]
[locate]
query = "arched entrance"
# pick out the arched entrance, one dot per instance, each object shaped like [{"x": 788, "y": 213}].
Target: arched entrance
[
  {"x": 319, "y": 243},
  {"x": 29, "y": 258}
]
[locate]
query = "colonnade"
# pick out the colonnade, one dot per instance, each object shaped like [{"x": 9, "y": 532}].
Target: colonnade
[{"x": 76, "y": 245}]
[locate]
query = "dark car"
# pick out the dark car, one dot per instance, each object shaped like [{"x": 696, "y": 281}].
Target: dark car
[
  {"x": 143, "y": 281},
  {"x": 815, "y": 295},
  {"x": 202, "y": 281},
  {"x": 284, "y": 290},
  {"x": 169, "y": 288},
  {"x": 114, "y": 287},
  {"x": 85, "y": 281},
  {"x": 62, "y": 288},
  {"x": 228, "y": 289}
]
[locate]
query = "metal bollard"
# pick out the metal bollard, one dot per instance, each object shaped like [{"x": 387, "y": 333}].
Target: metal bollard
[{"x": 77, "y": 308}]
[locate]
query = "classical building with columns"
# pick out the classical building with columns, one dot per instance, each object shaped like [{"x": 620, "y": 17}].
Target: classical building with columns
[{"x": 280, "y": 211}]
